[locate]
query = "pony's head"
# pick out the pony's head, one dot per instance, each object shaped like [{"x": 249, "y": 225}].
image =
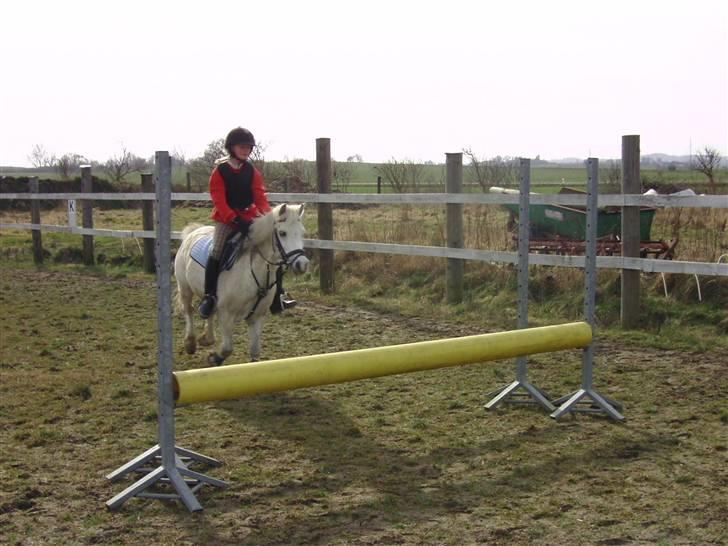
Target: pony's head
[
  {"x": 284, "y": 224},
  {"x": 289, "y": 233}
]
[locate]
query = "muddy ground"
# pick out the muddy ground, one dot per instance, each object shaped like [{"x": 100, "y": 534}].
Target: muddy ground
[{"x": 410, "y": 459}]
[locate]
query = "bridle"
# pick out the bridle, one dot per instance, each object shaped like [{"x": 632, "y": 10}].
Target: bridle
[{"x": 286, "y": 261}]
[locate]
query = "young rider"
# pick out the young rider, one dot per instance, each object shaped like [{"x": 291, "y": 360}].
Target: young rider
[{"x": 239, "y": 196}]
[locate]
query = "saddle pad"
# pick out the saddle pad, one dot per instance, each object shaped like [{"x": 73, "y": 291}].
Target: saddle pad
[{"x": 201, "y": 252}]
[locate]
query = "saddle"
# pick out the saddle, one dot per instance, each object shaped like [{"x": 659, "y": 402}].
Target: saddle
[{"x": 201, "y": 251}]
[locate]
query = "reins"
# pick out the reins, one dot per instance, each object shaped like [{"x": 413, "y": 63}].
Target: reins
[{"x": 287, "y": 259}]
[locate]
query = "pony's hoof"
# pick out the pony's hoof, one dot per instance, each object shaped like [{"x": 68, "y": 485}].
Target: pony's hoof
[
  {"x": 215, "y": 359},
  {"x": 190, "y": 346},
  {"x": 205, "y": 342}
]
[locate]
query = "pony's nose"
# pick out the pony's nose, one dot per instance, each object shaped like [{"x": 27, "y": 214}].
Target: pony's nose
[{"x": 301, "y": 265}]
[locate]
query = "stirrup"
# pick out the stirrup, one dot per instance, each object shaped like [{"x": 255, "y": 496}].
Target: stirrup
[
  {"x": 287, "y": 302},
  {"x": 207, "y": 306}
]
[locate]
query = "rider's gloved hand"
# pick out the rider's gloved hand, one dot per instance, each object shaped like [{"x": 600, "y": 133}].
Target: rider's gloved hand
[{"x": 241, "y": 225}]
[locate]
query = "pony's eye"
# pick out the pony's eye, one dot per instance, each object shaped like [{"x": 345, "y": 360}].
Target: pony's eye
[{"x": 282, "y": 233}]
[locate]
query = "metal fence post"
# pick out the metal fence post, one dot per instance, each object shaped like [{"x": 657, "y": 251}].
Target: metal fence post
[
  {"x": 455, "y": 239},
  {"x": 87, "y": 215},
  {"x": 630, "y": 279},
  {"x": 325, "y": 214},
  {"x": 35, "y": 219}
]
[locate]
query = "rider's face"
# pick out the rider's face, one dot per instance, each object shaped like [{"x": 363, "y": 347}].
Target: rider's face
[{"x": 242, "y": 151}]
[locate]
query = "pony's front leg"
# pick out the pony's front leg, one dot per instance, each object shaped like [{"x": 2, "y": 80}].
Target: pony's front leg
[
  {"x": 227, "y": 324},
  {"x": 255, "y": 327}
]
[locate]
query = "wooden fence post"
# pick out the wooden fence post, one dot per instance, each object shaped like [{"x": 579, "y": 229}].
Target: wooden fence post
[
  {"x": 88, "y": 215},
  {"x": 148, "y": 221},
  {"x": 630, "y": 279},
  {"x": 325, "y": 214},
  {"x": 35, "y": 219},
  {"x": 189, "y": 183},
  {"x": 455, "y": 239}
]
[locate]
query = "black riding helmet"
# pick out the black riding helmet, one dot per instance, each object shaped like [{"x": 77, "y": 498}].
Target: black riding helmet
[{"x": 239, "y": 136}]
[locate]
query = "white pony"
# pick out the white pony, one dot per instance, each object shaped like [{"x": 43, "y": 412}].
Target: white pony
[{"x": 246, "y": 290}]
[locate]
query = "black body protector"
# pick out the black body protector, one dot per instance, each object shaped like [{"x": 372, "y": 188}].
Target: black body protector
[{"x": 238, "y": 185}]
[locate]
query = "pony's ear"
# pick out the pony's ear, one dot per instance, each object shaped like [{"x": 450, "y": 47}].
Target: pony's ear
[{"x": 282, "y": 212}]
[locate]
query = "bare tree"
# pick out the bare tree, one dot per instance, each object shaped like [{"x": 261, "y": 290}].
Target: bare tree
[
  {"x": 140, "y": 164},
  {"x": 497, "y": 171},
  {"x": 201, "y": 167},
  {"x": 40, "y": 158},
  {"x": 118, "y": 166},
  {"x": 178, "y": 158},
  {"x": 478, "y": 170},
  {"x": 295, "y": 175},
  {"x": 707, "y": 162},
  {"x": 611, "y": 172},
  {"x": 342, "y": 175},
  {"x": 404, "y": 176},
  {"x": 69, "y": 163}
]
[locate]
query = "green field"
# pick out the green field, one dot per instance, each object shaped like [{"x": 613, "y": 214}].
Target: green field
[{"x": 363, "y": 178}]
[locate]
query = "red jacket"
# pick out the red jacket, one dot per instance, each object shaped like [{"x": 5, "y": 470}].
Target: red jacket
[{"x": 222, "y": 212}]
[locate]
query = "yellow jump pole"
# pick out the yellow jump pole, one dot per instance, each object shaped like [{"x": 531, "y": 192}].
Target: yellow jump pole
[{"x": 239, "y": 380}]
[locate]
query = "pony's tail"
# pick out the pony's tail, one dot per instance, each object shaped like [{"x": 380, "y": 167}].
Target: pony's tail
[
  {"x": 189, "y": 228},
  {"x": 178, "y": 305}
]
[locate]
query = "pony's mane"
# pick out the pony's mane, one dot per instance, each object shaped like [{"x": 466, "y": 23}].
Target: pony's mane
[{"x": 263, "y": 226}]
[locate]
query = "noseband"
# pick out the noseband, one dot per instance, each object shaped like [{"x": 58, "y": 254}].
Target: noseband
[{"x": 287, "y": 258}]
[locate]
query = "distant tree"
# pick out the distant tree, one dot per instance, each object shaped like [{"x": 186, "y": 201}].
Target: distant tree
[
  {"x": 40, "y": 158},
  {"x": 477, "y": 173},
  {"x": 258, "y": 159},
  {"x": 178, "y": 159},
  {"x": 201, "y": 167},
  {"x": 298, "y": 175},
  {"x": 68, "y": 164},
  {"x": 356, "y": 158},
  {"x": 403, "y": 176},
  {"x": 707, "y": 162},
  {"x": 497, "y": 171},
  {"x": 611, "y": 171},
  {"x": 140, "y": 164},
  {"x": 342, "y": 175},
  {"x": 122, "y": 164}
]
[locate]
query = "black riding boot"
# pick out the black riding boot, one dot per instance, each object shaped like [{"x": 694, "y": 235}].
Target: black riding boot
[
  {"x": 281, "y": 300},
  {"x": 210, "y": 300}
]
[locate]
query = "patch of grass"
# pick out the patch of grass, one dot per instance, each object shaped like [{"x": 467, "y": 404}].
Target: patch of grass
[
  {"x": 81, "y": 391},
  {"x": 44, "y": 437}
]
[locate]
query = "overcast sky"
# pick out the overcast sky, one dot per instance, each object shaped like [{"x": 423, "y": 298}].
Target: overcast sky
[{"x": 382, "y": 79}]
